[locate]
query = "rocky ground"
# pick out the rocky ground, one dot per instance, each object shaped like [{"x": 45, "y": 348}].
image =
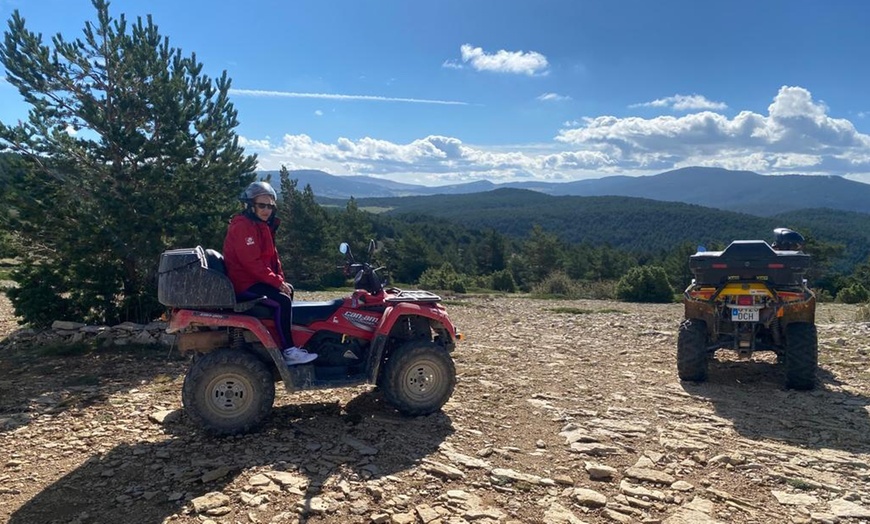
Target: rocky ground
[{"x": 564, "y": 412}]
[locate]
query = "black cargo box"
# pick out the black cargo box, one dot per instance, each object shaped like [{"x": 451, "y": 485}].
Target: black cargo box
[
  {"x": 185, "y": 280},
  {"x": 749, "y": 260}
]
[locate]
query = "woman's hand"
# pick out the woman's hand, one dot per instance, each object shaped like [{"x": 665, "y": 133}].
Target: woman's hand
[{"x": 287, "y": 289}]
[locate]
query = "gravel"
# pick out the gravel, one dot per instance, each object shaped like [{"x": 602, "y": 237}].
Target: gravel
[{"x": 564, "y": 412}]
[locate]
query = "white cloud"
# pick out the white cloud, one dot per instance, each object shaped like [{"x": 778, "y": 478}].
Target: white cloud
[
  {"x": 257, "y": 145},
  {"x": 795, "y": 136},
  {"x": 318, "y": 112},
  {"x": 553, "y": 97},
  {"x": 685, "y": 103},
  {"x": 516, "y": 62},
  {"x": 446, "y": 159},
  {"x": 863, "y": 178},
  {"x": 331, "y": 96}
]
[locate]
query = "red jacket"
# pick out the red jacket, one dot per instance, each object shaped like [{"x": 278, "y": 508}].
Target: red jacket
[{"x": 250, "y": 254}]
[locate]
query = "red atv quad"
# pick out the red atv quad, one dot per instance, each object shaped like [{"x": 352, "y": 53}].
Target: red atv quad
[{"x": 398, "y": 340}]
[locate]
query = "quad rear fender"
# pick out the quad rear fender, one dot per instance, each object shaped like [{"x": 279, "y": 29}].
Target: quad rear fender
[{"x": 185, "y": 318}]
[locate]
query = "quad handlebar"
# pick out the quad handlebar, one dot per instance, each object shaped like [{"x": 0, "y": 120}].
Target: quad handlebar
[{"x": 365, "y": 275}]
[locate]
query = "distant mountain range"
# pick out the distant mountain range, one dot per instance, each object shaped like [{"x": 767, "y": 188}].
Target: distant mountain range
[{"x": 738, "y": 191}]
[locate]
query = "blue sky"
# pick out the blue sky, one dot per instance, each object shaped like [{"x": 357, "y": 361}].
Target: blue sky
[{"x": 460, "y": 90}]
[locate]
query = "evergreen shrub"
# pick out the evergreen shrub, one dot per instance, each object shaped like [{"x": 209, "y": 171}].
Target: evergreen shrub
[
  {"x": 503, "y": 281},
  {"x": 443, "y": 278},
  {"x": 853, "y": 294},
  {"x": 645, "y": 284},
  {"x": 557, "y": 284}
]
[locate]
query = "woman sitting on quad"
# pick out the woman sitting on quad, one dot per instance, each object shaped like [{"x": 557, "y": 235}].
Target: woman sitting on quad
[{"x": 253, "y": 265}]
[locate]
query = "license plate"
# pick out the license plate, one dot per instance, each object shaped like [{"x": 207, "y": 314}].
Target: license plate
[{"x": 744, "y": 314}]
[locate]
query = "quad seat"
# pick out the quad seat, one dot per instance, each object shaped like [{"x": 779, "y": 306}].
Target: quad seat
[{"x": 196, "y": 278}]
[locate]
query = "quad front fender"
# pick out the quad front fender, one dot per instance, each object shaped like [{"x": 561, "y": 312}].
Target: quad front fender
[
  {"x": 446, "y": 333},
  {"x": 436, "y": 314}
]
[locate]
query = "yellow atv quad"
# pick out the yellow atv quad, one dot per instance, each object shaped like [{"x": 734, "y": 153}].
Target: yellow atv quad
[{"x": 751, "y": 297}]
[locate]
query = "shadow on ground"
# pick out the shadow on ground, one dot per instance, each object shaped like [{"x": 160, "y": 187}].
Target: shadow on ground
[
  {"x": 752, "y": 395},
  {"x": 150, "y": 481},
  {"x": 51, "y": 380}
]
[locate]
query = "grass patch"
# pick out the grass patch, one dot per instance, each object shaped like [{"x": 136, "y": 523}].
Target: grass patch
[
  {"x": 456, "y": 303},
  {"x": 581, "y": 311},
  {"x": 105, "y": 418},
  {"x": 82, "y": 380},
  {"x": 522, "y": 485},
  {"x": 76, "y": 349},
  {"x": 570, "y": 310},
  {"x": 93, "y": 347},
  {"x": 6, "y": 267},
  {"x": 800, "y": 484},
  {"x": 163, "y": 378},
  {"x": 138, "y": 350},
  {"x": 376, "y": 209},
  {"x": 560, "y": 286},
  {"x": 45, "y": 370},
  {"x": 549, "y": 296},
  {"x": 164, "y": 383}
]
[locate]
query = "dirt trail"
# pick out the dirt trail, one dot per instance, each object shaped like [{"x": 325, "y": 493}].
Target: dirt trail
[{"x": 564, "y": 412}]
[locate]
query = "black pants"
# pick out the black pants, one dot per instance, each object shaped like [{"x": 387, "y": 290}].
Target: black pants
[{"x": 285, "y": 311}]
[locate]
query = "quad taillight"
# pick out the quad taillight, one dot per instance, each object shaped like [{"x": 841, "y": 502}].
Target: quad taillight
[{"x": 745, "y": 300}]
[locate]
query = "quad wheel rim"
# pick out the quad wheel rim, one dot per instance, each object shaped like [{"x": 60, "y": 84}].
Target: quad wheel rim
[
  {"x": 229, "y": 395},
  {"x": 423, "y": 380}
]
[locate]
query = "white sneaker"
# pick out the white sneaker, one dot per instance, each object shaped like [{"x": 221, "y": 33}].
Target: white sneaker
[{"x": 294, "y": 355}]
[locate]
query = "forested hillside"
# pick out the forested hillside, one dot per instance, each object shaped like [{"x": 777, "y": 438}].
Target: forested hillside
[
  {"x": 633, "y": 224},
  {"x": 647, "y": 231}
]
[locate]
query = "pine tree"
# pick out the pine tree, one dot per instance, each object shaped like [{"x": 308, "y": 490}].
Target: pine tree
[
  {"x": 355, "y": 227},
  {"x": 491, "y": 252},
  {"x": 410, "y": 256},
  {"x": 306, "y": 243},
  {"x": 542, "y": 252},
  {"x": 676, "y": 265},
  {"x": 133, "y": 151}
]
